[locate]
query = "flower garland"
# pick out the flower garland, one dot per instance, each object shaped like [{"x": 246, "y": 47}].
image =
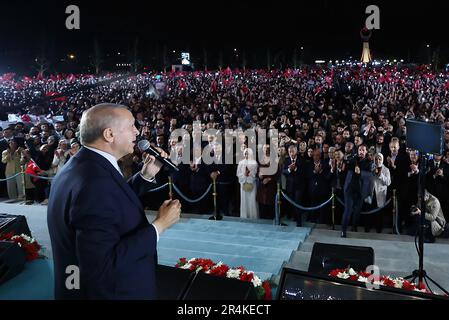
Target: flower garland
[
  {"x": 263, "y": 288},
  {"x": 27, "y": 243},
  {"x": 387, "y": 281}
]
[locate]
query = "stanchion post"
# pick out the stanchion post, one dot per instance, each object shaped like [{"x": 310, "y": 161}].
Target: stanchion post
[
  {"x": 214, "y": 195},
  {"x": 333, "y": 208},
  {"x": 23, "y": 184},
  {"x": 278, "y": 204},
  {"x": 170, "y": 188},
  {"x": 394, "y": 211}
]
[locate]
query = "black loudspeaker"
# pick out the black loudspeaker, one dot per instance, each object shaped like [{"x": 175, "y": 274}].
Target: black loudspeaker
[
  {"x": 207, "y": 287},
  {"x": 12, "y": 260},
  {"x": 172, "y": 283},
  {"x": 327, "y": 257},
  {"x": 425, "y": 137},
  {"x": 13, "y": 223},
  {"x": 300, "y": 285}
]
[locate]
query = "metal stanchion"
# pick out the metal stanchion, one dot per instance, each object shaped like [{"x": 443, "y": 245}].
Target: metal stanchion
[
  {"x": 333, "y": 208},
  {"x": 23, "y": 185},
  {"x": 214, "y": 195},
  {"x": 278, "y": 204},
  {"x": 216, "y": 215},
  {"x": 394, "y": 211},
  {"x": 170, "y": 188}
]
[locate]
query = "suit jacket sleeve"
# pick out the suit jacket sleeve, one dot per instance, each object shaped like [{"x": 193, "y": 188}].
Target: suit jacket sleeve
[
  {"x": 96, "y": 217},
  {"x": 140, "y": 185}
]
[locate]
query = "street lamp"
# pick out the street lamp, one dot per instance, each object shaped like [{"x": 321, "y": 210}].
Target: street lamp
[{"x": 72, "y": 56}]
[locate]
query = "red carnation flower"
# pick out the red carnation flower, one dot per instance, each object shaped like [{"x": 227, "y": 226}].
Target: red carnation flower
[
  {"x": 268, "y": 294},
  {"x": 408, "y": 286},
  {"x": 247, "y": 276},
  {"x": 354, "y": 278}
]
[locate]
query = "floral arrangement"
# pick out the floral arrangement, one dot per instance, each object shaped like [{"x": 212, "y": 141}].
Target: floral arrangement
[
  {"x": 27, "y": 243},
  {"x": 366, "y": 277},
  {"x": 263, "y": 289}
]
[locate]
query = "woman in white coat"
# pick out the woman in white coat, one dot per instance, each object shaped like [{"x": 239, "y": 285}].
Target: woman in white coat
[
  {"x": 381, "y": 181},
  {"x": 247, "y": 173}
]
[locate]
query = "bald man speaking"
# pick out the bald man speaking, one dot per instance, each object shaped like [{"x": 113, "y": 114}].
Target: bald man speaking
[{"x": 96, "y": 221}]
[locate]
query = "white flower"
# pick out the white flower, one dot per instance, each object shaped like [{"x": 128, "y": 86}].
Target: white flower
[
  {"x": 362, "y": 279},
  {"x": 256, "y": 281},
  {"x": 186, "y": 266},
  {"x": 24, "y": 237},
  {"x": 398, "y": 283},
  {"x": 378, "y": 283},
  {"x": 218, "y": 265},
  {"x": 352, "y": 272},
  {"x": 233, "y": 273},
  {"x": 343, "y": 275},
  {"x": 191, "y": 260}
]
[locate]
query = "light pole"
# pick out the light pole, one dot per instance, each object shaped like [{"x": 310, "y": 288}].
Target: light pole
[{"x": 429, "y": 56}]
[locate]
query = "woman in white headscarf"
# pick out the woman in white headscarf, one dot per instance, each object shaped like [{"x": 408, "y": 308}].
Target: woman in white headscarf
[
  {"x": 247, "y": 173},
  {"x": 381, "y": 181}
]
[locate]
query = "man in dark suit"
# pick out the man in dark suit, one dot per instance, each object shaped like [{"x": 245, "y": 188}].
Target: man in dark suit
[
  {"x": 224, "y": 175},
  {"x": 295, "y": 173},
  {"x": 398, "y": 162},
  {"x": 95, "y": 218},
  {"x": 437, "y": 181},
  {"x": 358, "y": 188},
  {"x": 319, "y": 186}
]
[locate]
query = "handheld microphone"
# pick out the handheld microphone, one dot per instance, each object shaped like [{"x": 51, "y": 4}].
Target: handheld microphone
[{"x": 144, "y": 146}]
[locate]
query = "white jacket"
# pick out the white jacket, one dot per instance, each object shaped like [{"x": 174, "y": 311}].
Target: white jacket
[{"x": 381, "y": 184}]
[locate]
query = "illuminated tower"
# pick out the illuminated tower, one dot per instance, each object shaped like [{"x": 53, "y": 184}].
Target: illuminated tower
[{"x": 365, "y": 34}]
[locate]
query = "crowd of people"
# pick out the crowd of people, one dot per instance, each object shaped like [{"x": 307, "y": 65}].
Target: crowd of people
[{"x": 340, "y": 128}]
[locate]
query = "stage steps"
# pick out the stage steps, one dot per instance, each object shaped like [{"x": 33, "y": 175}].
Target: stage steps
[{"x": 260, "y": 247}]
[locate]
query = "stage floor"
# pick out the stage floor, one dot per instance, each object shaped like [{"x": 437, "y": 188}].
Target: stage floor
[{"x": 291, "y": 246}]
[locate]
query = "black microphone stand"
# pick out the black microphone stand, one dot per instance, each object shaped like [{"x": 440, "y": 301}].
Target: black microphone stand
[{"x": 420, "y": 273}]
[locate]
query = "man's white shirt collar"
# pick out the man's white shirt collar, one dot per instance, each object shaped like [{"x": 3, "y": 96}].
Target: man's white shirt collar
[{"x": 108, "y": 156}]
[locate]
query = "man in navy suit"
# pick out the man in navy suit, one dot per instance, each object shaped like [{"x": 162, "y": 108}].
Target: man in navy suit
[{"x": 95, "y": 218}]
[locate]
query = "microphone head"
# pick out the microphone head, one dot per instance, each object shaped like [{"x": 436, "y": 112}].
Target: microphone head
[{"x": 143, "y": 145}]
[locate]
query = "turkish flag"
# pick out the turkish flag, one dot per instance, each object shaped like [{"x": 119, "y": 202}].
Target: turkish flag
[
  {"x": 213, "y": 86},
  {"x": 182, "y": 84},
  {"x": 33, "y": 169},
  {"x": 52, "y": 94},
  {"x": 71, "y": 78}
]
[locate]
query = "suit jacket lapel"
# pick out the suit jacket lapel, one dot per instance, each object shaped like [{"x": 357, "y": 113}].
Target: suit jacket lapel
[{"x": 118, "y": 178}]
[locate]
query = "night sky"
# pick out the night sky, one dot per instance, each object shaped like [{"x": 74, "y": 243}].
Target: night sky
[{"x": 326, "y": 29}]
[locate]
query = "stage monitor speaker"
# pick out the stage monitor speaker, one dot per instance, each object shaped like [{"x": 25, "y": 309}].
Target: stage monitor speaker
[
  {"x": 425, "y": 137},
  {"x": 301, "y": 285},
  {"x": 326, "y": 257},
  {"x": 172, "y": 283},
  {"x": 14, "y": 223},
  {"x": 12, "y": 260},
  {"x": 208, "y": 287}
]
